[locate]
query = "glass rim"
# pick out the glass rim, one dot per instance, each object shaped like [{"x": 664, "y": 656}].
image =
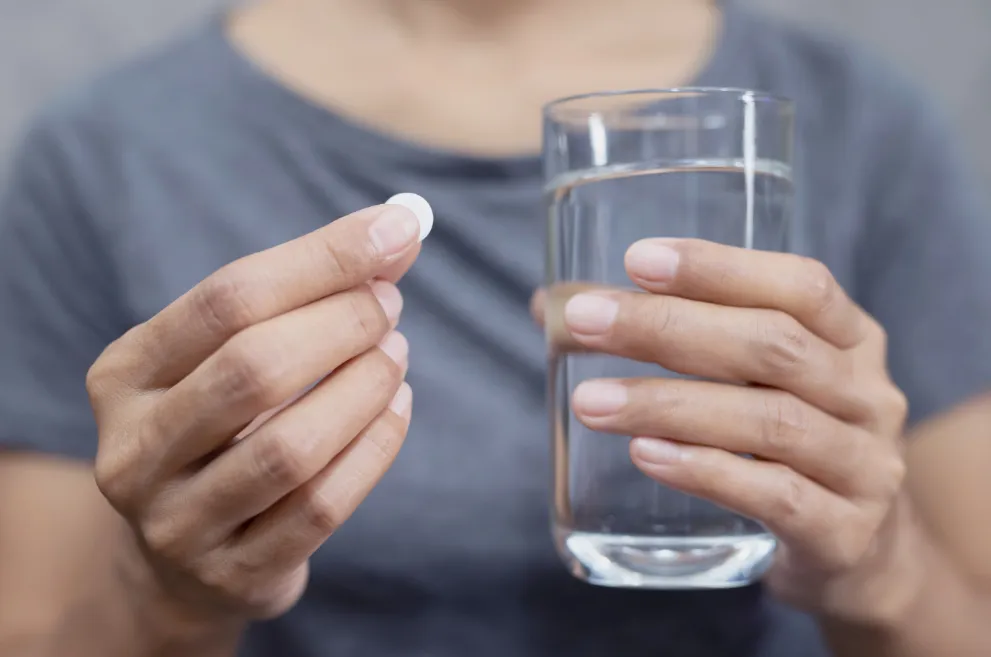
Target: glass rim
[{"x": 740, "y": 92}]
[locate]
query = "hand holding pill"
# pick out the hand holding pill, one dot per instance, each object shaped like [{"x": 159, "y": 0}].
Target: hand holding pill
[{"x": 227, "y": 498}]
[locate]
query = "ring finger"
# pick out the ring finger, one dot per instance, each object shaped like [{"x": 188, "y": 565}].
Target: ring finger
[
  {"x": 800, "y": 512},
  {"x": 768, "y": 423},
  {"x": 290, "y": 531}
]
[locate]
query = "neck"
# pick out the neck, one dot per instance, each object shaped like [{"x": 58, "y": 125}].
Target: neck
[
  {"x": 486, "y": 21},
  {"x": 481, "y": 17},
  {"x": 472, "y": 74}
]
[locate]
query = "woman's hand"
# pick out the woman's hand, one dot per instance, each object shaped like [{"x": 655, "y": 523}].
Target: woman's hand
[
  {"x": 226, "y": 507},
  {"x": 796, "y": 377}
]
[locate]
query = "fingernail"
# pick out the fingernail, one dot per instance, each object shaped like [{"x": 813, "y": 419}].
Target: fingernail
[
  {"x": 418, "y": 206},
  {"x": 656, "y": 451},
  {"x": 652, "y": 260},
  {"x": 394, "y": 231},
  {"x": 396, "y": 347},
  {"x": 402, "y": 401},
  {"x": 590, "y": 314},
  {"x": 389, "y": 297},
  {"x": 599, "y": 398}
]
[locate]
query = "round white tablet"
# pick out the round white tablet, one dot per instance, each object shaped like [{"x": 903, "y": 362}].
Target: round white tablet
[{"x": 424, "y": 213}]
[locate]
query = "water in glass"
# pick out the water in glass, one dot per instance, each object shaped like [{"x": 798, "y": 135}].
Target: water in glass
[{"x": 612, "y": 525}]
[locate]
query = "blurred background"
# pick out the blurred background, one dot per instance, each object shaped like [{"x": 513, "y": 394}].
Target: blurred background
[{"x": 944, "y": 44}]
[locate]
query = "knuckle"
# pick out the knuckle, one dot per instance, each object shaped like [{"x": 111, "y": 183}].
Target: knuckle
[
  {"x": 895, "y": 404},
  {"x": 243, "y": 575},
  {"x": 847, "y": 556},
  {"x": 849, "y": 544},
  {"x": 281, "y": 461},
  {"x": 695, "y": 250},
  {"x": 662, "y": 405},
  {"x": 781, "y": 345},
  {"x": 387, "y": 442},
  {"x": 106, "y": 372},
  {"x": 95, "y": 378},
  {"x": 791, "y": 501},
  {"x": 264, "y": 590},
  {"x": 250, "y": 374},
  {"x": 338, "y": 258},
  {"x": 369, "y": 324},
  {"x": 284, "y": 594},
  {"x": 261, "y": 599},
  {"x": 786, "y": 424},
  {"x": 381, "y": 373},
  {"x": 891, "y": 475},
  {"x": 117, "y": 472},
  {"x": 704, "y": 478},
  {"x": 221, "y": 301},
  {"x": 110, "y": 472},
  {"x": 321, "y": 513},
  {"x": 656, "y": 314},
  {"x": 885, "y": 408},
  {"x": 164, "y": 536},
  {"x": 225, "y": 574},
  {"x": 820, "y": 288}
]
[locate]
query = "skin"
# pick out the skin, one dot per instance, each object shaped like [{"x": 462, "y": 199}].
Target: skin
[
  {"x": 204, "y": 507},
  {"x": 472, "y": 75}
]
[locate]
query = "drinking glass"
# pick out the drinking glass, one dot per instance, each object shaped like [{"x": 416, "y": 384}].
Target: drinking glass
[{"x": 713, "y": 164}]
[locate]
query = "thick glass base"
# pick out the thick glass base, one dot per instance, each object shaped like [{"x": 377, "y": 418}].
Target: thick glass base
[{"x": 657, "y": 562}]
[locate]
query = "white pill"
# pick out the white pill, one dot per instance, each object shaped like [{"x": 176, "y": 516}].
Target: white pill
[{"x": 424, "y": 213}]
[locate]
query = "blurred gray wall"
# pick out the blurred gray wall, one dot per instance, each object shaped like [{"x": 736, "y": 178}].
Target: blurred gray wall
[
  {"x": 946, "y": 44},
  {"x": 47, "y": 44}
]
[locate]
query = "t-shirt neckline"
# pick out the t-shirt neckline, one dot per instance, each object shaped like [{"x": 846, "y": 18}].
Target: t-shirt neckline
[{"x": 349, "y": 137}]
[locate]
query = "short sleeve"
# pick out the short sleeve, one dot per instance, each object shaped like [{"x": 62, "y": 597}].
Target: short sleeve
[
  {"x": 925, "y": 263},
  {"x": 57, "y": 297}
]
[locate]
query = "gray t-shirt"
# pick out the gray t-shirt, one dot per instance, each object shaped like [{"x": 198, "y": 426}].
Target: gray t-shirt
[{"x": 132, "y": 189}]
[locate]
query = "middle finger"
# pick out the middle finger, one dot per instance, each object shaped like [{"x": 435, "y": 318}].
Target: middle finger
[{"x": 749, "y": 345}]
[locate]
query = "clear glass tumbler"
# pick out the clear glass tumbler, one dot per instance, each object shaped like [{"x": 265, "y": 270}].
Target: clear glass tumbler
[{"x": 713, "y": 164}]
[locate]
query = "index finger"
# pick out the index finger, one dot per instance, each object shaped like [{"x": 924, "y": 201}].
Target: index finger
[
  {"x": 731, "y": 276},
  {"x": 345, "y": 253}
]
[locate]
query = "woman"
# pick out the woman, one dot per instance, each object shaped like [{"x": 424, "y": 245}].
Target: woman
[{"x": 185, "y": 170}]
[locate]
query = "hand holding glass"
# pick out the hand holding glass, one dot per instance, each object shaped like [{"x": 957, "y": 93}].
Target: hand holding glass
[{"x": 712, "y": 164}]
